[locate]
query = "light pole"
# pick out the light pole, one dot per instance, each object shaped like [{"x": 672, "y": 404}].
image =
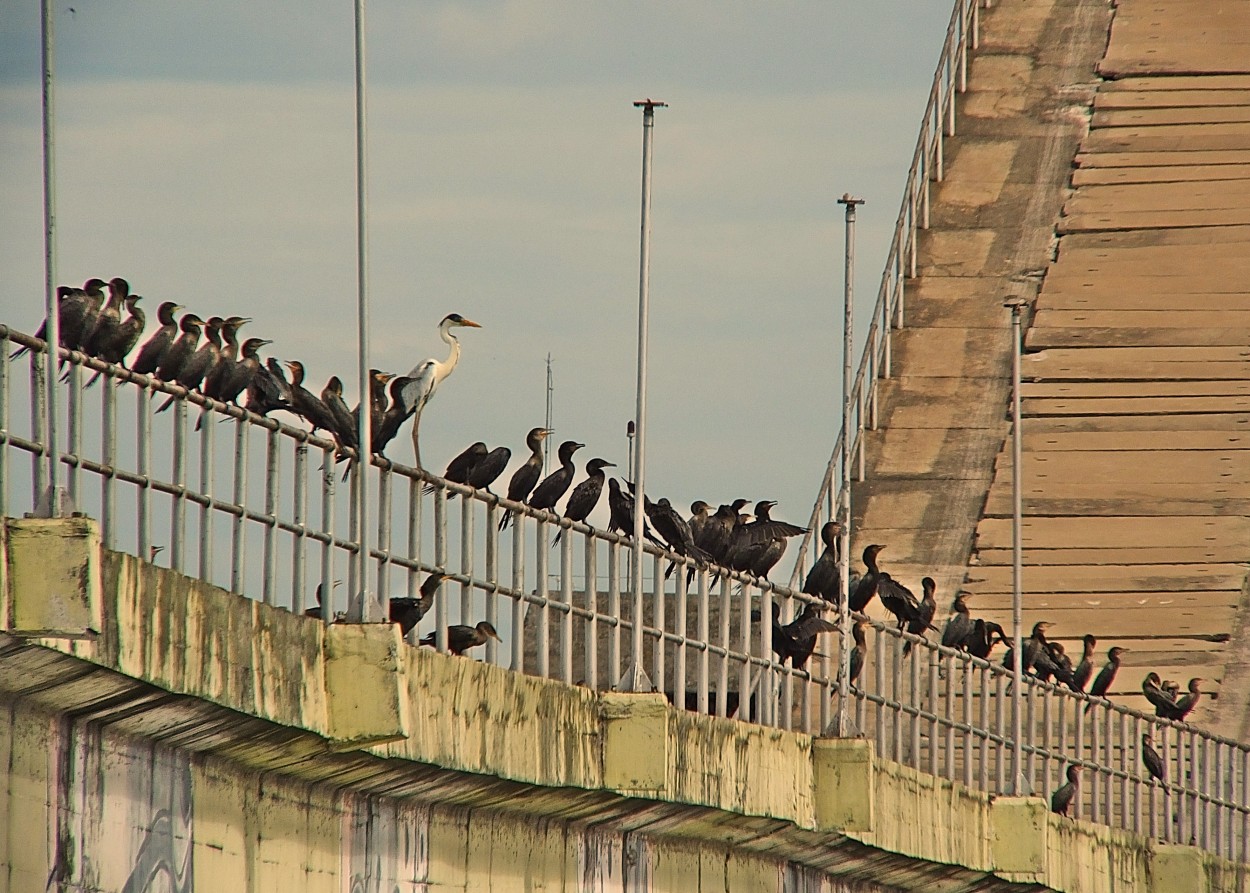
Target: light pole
[
  {"x": 1020, "y": 783},
  {"x": 371, "y": 610},
  {"x": 635, "y": 678},
  {"x": 844, "y": 508}
]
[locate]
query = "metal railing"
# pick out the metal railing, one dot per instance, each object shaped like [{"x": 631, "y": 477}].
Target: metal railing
[
  {"x": 253, "y": 505},
  {"x": 927, "y": 166}
]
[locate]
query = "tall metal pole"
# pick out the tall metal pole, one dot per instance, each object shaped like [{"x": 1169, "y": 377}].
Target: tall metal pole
[
  {"x": 372, "y": 611},
  {"x": 635, "y": 678},
  {"x": 1019, "y": 783},
  {"x": 844, "y": 508},
  {"x": 52, "y": 498}
]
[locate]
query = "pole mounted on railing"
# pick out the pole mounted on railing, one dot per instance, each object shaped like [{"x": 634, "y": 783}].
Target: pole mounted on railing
[
  {"x": 844, "y": 508},
  {"x": 1020, "y": 785},
  {"x": 635, "y": 678},
  {"x": 54, "y": 501},
  {"x": 371, "y": 610}
]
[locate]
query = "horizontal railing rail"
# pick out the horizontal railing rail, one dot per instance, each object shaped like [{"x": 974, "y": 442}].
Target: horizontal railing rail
[{"x": 254, "y": 505}]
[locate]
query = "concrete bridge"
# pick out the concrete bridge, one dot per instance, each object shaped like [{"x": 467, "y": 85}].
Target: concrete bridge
[{"x": 160, "y": 732}]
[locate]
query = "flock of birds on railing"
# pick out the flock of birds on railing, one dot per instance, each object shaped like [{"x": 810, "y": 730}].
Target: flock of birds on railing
[{"x": 108, "y": 327}]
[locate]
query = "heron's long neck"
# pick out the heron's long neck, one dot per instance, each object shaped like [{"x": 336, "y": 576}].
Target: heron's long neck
[{"x": 453, "y": 354}]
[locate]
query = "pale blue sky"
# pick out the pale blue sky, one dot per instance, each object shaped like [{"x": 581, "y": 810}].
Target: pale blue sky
[{"x": 206, "y": 153}]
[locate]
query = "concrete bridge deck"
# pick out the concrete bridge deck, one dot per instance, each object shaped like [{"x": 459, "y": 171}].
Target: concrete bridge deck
[{"x": 1127, "y": 168}]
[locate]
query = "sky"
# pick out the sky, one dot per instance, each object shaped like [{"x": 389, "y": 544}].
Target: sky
[{"x": 206, "y": 153}]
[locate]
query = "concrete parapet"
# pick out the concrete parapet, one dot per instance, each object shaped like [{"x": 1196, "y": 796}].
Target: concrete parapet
[
  {"x": 273, "y": 691},
  {"x": 51, "y": 578}
]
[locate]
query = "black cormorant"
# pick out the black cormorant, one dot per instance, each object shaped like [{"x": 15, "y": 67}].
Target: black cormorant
[
  {"x": 960, "y": 625},
  {"x": 1151, "y": 760},
  {"x": 461, "y": 638},
  {"x": 585, "y": 496},
  {"x": 554, "y": 485},
  {"x": 525, "y": 477},
  {"x": 1062, "y": 798},
  {"x": 866, "y": 588},
  {"x": 1105, "y": 677},
  {"x": 825, "y": 577},
  {"x": 1085, "y": 668},
  {"x": 407, "y": 611}
]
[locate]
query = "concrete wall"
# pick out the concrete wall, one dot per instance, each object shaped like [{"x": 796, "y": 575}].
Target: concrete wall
[{"x": 172, "y": 734}]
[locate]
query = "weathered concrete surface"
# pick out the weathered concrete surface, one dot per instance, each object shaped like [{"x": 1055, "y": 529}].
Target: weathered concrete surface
[{"x": 499, "y": 776}]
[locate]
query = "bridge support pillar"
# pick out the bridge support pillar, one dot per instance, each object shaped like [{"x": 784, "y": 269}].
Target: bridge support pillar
[
  {"x": 366, "y": 686},
  {"x": 636, "y": 742},
  {"x": 50, "y": 578},
  {"x": 844, "y": 777},
  {"x": 1177, "y": 869},
  {"x": 1019, "y": 845}
]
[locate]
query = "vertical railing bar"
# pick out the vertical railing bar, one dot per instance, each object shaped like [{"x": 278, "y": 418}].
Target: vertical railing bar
[
  {"x": 590, "y": 574},
  {"x": 273, "y": 465},
  {"x": 878, "y": 665},
  {"x": 382, "y": 580},
  {"x": 566, "y": 607},
  {"x": 414, "y": 537},
  {"x": 74, "y": 446},
  {"x": 966, "y": 673},
  {"x": 109, "y": 455},
  {"x": 467, "y": 536},
  {"x": 722, "y": 681},
  {"x": 746, "y": 695},
  {"x": 918, "y": 652},
  {"x": 983, "y": 763},
  {"x": 441, "y": 618},
  {"x": 518, "y": 586},
  {"x": 328, "y": 527},
  {"x": 178, "y": 530},
  {"x": 207, "y": 425},
  {"x": 5, "y": 345},
  {"x": 299, "y": 517},
  {"x": 541, "y": 544},
  {"x": 492, "y": 579},
  {"x": 614, "y": 610},
  {"x": 38, "y": 383},
  {"x": 704, "y": 636},
  {"x": 679, "y": 624},
  {"x": 999, "y": 724},
  {"x": 239, "y": 496}
]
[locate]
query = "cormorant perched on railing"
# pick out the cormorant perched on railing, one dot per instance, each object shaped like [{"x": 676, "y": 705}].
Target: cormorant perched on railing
[
  {"x": 426, "y": 376},
  {"x": 377, "y": 405},
  {"x": 93, "y": 294},
  {"x": 922, "y": 619},
  {"x": 1062, "y": 799},
  {"x": 153, "y": 351},
  {"x": 461, "y": 638},
  {"x": 304, "y": 404},
  {"x": 344, "y": 430},
  {"x": 756, "y": 546},
  {"x": 201, "y": 363},
  {"x": 554, "y": 485},
  {"x": 525, "y": 477},
  {"x": 981, "y": 642},
  {"x": 459, "y": 468},
  {"x": 1185, "y": 704},
  {"x": 718, "y": 531},
  {"x": 673, "y": 529},
  {"x": 182, "y": 349},
  {"x": 268, "y": 389},
  {"x": 897, "y": 599},
  {"x": 1152, "y": 688},
  {"x": 108, "y": 319},
  {"x": 120, "y": 341},
  {"x": 621, "y": 514},
  {"x": 241, "y": 376},
  {"x": 803, "y": 630},
  {"x": 859, "y": 652},
  {"x": 1103, "y": 682},
  {"x": 407, "y": 611},
  {"x": 700, "y": 516},
  {"x": 825, "y": 577},
  {"x": 70, "y": 303},
  {"x": 1085, "y": 668},
  {"x": 866, "y": 588},
  {"x": 394, "y": 416},
  {"x": 488, "y": 469},
  {"x": 227, "y": 357},
  {"x": 585, "y": 496},
  {"x": 1151, "y": 760},
  {"x": 960, "y": 626}
]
